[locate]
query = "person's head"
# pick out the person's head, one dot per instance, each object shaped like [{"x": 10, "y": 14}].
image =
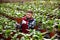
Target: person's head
[{"x": 29, "y": 14}]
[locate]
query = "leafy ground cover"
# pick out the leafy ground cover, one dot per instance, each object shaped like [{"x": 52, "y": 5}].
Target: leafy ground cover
[{"x": 46, "y": 13}]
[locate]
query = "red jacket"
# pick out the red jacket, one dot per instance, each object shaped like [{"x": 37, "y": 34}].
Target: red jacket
[{"x": 26, "y": 26}]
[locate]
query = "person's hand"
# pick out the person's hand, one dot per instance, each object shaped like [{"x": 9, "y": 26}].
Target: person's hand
[{"x": 23, "y": 22}]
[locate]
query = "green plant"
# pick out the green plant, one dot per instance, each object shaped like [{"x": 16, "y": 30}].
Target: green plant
[
  {"x": 45, "y": 12},
  {"x": 7, "y": 33}
]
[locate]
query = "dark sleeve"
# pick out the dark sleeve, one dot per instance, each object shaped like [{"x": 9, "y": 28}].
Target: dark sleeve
[
  {"x": 32, "y": 24},
  {"x": 18, "y": 25}
]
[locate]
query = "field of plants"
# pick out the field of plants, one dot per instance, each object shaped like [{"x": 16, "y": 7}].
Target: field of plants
[{"x": 46, "y": 13}]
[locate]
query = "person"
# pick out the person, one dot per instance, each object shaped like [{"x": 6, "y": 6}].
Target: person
[
  {"x": 28, "y": 22},
  {"x": 24, "y": 23}
]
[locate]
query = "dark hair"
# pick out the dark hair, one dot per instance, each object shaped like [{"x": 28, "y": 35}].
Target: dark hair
[{"x": 30, "y": 12}]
